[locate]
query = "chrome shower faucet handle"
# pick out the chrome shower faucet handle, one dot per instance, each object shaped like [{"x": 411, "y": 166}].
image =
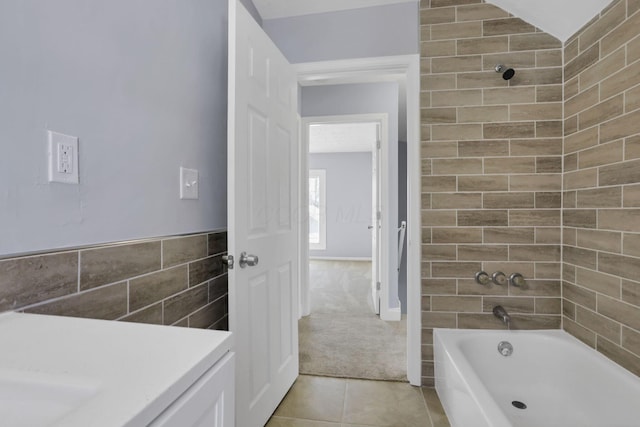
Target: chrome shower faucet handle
[{"x": 499, "y": 278}]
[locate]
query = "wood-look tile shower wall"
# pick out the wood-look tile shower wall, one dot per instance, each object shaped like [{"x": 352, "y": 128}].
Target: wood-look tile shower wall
[
  {"x": 601, "y": 215},
  {"x": 491, "y": 169}
]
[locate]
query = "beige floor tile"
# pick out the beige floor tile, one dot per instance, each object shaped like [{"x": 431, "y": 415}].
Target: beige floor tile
[
  {"x": 379, "y": 403},
  {"x": 438, "y": 416},
  {"x": 296, "y": 422},
  {"x": 314, "y": 398}
]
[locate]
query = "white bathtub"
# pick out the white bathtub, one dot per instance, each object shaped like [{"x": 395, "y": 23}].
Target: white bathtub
[{"x": 562, "y": 381}]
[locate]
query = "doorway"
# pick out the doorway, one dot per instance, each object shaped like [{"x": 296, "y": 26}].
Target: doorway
[
  {"x": 263, "y": 299},
  {"x": 343, "y": 336},
  {"x": 405, "y": 69},
  {"x": 347, "y": 198}
]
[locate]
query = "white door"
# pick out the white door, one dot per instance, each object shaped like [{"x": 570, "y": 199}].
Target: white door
[
  {"x": 376, "y": 209},
  {"x": 262, "y": 205}
]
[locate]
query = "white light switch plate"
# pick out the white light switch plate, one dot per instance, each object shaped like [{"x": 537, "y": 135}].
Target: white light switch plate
[
  {"x": 63, "y": 158},
  {"x": 188, "y": 183}
]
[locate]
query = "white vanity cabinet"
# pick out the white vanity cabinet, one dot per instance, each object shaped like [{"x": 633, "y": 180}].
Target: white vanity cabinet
[
  {"x": 209, "y": 402},
  {"x": 67, "y": 372}
]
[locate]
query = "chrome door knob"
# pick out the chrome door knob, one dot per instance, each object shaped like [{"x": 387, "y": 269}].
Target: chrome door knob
[
  {"x": 248, "y": 260},
  {"x": 228, "y": 261}
]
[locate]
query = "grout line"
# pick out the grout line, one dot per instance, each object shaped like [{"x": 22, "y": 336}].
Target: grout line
[
  {"x": 426, "y": 405},
  {"x": 344, "y": 401}
]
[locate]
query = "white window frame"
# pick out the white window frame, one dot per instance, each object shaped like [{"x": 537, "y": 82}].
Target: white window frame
[{"x": 321, "y": 175}]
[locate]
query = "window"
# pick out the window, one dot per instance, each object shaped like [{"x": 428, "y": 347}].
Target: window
[{"x": 317, "y": 209}]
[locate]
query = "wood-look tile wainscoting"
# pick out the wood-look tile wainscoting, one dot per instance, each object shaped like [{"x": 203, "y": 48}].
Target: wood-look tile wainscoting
[
  {"x": 491, "y": 169},
  {"x": 601, "y": 212},
  {"x": 169, "y": 281}
]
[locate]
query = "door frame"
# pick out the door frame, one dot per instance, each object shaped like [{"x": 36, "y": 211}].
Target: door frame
[
  {"x": 388, "y": 68},
  {"x": 382, "y": 178}
]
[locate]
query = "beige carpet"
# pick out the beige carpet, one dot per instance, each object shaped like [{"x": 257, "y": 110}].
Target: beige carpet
[{"x": 343, "y": 337}]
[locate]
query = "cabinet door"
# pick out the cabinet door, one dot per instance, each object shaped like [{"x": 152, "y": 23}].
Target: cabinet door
[{"x": 209, "y": 402}]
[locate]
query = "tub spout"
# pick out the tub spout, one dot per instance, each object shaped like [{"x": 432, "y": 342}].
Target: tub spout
[{"x": 502, "y": 314}]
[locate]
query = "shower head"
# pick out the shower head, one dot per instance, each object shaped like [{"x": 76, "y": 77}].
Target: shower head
[{"x": 507, "y": 73}]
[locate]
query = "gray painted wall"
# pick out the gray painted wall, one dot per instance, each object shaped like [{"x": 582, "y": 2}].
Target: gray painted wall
[
  {"x": 143, "y": 84},
  {"x": 358, "y": 33},
  {"x": 362, "y": 99},
  {"x": 349, "y": 198}
]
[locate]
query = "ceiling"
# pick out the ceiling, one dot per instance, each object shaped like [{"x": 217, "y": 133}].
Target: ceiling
[
  {"x": 560, "y": 18},
  {"x": 271, "y": 9}
]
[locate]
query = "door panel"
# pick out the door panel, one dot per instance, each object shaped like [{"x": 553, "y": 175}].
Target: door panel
[
  {"x": 284, "y": 307},
  {"x": 258, "y": 66},
  {"x": 259, "y": 325},
  {"x": 262, "y": 200},
  {"x": 282, "y": 159},
  {"x": 257, "y": 200}
]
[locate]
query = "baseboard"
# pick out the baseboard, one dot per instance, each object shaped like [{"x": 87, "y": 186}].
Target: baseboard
[
  {"x": 391, "y": 314},
  {"x": 337, "y": 258},
  {"x": 395, "y": 314}
]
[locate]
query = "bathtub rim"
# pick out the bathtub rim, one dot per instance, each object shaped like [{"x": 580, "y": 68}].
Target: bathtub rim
[
  {"x": 485, "y": 405},
  {"x": 556, "y": 333},
  {"x": 480, "y": 395}
]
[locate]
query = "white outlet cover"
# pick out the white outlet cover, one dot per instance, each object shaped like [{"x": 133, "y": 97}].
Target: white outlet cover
[
  {"x": 62, "y": 158},
  {"x": 188, "y": 183}
]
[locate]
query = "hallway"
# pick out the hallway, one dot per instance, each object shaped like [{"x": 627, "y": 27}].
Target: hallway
[{"x": 343, "y": 337}]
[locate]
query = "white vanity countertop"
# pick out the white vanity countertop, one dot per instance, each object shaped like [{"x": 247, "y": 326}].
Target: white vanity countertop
[{"x": 132, "y": 371}]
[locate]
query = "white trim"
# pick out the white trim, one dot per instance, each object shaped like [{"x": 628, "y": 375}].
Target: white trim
[
  {"x": 360, "y": 70},
  {"x": 303, "y": 241},
  {"x": 414, "y": 189},
  {"x": 395, "y": 314},
  {"x": 339, "y": 258},
  {"x": 386, "y": 270},
  {"x": 391, "y": 68}
]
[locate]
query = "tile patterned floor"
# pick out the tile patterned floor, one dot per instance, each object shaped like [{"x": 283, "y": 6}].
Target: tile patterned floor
[{"x": 337, "y": 402}]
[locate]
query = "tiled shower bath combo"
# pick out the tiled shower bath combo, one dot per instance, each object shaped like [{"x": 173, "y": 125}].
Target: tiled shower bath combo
[
  {"x": 537, "y": 175},
  {"x": 492, "y": 170}
]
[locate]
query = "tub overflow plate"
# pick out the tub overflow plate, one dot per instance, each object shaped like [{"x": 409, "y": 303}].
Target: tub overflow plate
[{"x": 505, "y": 348}]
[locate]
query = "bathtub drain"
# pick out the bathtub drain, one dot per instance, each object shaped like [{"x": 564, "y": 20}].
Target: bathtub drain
[{"x": 519, "y": 404}]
